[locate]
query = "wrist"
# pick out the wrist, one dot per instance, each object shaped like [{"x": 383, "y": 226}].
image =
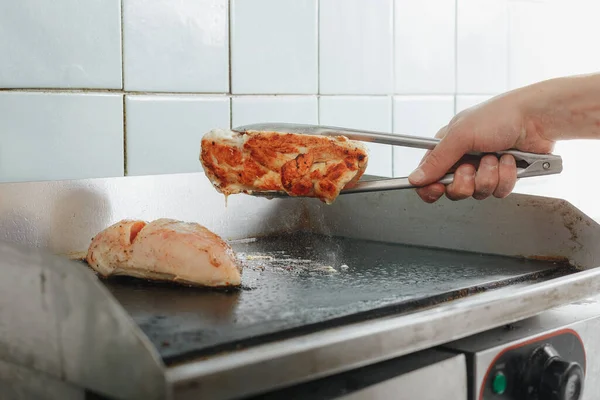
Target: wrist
[
  {"x": 562, "y": 108},
  {"x": 534, "y": 104}
]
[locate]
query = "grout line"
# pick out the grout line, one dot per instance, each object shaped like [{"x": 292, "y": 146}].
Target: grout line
[
  {"x": 229, "y": 44},
  {"x": 318, "y": 61},
  {"x": 271, "y": 94},
  {"x": 124, "y": 136},
  {"x": 115, "y": 91},
  {"x": 122, "y": 47},
  {"x": 455, "y": 52},
  {"x": 318, "y": 110},
  {"x": 508, "y": 58},
  {"x": 392, "y": 122},
  {"x": 229, "y": 22},
  {"x": 61, "y": 90},
  {"x": 355, "y": 95},
  {"x": 123, "y": 89},
  {"x": 230, "y": 113},
  {"x": 393, "y": 58},
  {"x": 222, "y": 94}
]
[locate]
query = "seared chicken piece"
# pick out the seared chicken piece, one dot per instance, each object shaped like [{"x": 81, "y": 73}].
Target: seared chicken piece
[
  {"x": 300, "y": 165},
  {"x": 166, "y": 250}
]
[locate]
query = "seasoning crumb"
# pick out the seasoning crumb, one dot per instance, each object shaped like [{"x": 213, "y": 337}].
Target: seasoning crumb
[
  {"x": 326, "y": 268},
  {"x": 344, "y": 267},
  {"x": 255, "y": 257}
]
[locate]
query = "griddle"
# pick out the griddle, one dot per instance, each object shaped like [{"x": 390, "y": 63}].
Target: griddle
[
  {"x": 327, "y": 289},
  {"x": 302, "y": 282}
]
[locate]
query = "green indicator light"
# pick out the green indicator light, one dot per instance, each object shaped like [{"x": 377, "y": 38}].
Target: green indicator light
[{"x": 499, "y": 383}]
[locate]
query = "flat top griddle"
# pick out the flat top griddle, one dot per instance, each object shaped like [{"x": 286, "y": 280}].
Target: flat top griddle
[{"x": 303, "y": 282}]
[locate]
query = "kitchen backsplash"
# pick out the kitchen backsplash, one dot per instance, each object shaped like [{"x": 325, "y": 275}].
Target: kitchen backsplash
[{"x": 103, "y": 88}]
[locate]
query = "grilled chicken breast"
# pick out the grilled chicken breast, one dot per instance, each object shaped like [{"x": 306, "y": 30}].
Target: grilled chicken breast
[
  {"x": 166, "y": 250},
  {"x": 300, "y": 165}
]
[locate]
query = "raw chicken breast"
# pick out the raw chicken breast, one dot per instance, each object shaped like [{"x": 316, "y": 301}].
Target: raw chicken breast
[
  {"x": 166, "y": 250},
  {"x": 300, "y": 165}
]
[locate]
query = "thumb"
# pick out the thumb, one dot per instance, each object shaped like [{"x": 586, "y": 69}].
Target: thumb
[{"x": 439, "y": 160}]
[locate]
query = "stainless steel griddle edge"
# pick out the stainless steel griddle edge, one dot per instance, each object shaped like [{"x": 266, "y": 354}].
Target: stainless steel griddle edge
[
  {"x": 340, "y": 349},
  {"x": 73, "y": 211}
]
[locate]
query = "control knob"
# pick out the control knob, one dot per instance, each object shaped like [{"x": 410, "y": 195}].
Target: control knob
[{"x": 548, "y": 376}]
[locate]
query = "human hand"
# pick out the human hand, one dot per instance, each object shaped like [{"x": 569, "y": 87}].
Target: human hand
[{"x": 501, "y": 123}]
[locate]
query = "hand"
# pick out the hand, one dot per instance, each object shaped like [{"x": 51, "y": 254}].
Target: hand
[{"x": 501, "y": 123}]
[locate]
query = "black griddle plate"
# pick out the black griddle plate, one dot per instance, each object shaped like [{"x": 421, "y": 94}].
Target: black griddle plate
[{"x": 301, "y": 283}]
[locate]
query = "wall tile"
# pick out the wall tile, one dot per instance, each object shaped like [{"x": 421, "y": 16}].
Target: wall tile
[
  {"x": 177, "y": 46},
  {"x": 482, "y": 46},
  {"x": 60, "y": 136},
  {"x": 164, "y": 132},
  {"x": 274, "y": 46},
  {"x": 369, "y": 113},
  {"x": 425, "y": 46},
  {"x": 530, "y": 44},
  {"x": 418, "y": 116},
  {"x": 289, "y": 109},
  {"x": 557, "y": 43},
  {"x": 466, "y": 101},
  {"x": 356, "y": 46},
  {"x": 72, "y": 44}
]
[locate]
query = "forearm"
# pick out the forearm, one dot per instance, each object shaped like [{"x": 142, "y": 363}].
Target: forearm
[{"x": 563, "y": 108}]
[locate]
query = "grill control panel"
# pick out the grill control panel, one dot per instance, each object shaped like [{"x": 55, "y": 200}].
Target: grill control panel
[{"x": 550, "y": 367}]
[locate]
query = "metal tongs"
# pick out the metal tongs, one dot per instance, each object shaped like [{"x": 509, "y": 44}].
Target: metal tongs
[{"x": 528, "y": 164}]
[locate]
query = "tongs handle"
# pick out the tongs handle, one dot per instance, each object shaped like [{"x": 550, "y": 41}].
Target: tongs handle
[{"x": 528, "y": 164}]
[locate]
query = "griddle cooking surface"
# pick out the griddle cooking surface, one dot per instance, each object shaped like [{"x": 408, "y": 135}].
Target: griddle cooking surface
[{"x": 304, "y": 282}]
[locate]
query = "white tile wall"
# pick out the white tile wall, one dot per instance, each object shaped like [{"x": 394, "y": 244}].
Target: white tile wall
[
  {"x": 467, "y": 101},
  {"x": 482, "y": 46},
  {"x": 418, "y": 116},
  {"x": 560, "y": 42},
  {"x": 274, "y": 46},
  {"x": 60, "y": 44},
  {"x": 425, "y": 46},
  {"x": 176, "y": 46},
  {"x": 289, "y": 109},
  {"x": 356, "y": 51},
  {"x": 370, "y": 113},
  {"x": 531, "y": 57},
  {"x": 164, "y": 132},
  {"x": 55, "y": 136},
  {"x": 204, "y": 63}
]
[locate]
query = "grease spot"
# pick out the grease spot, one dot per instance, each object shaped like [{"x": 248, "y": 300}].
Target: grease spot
[{"x": 43, "y": 282}]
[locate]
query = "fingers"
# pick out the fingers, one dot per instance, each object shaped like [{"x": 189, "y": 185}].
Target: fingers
[
  {"x": 431, "y": 193},
  {"x": 507, "y": 176},
  {"x": 487, "y": 177},
  {"x": 437, "y": 162},
  {"x": 493, "y": 177},
  {"x": 463, "y": 185}
]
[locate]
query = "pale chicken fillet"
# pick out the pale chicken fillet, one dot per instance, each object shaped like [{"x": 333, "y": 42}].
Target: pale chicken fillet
[
  {"x": 165, "y": 250},
  {"x": 299, "y": 165}
]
